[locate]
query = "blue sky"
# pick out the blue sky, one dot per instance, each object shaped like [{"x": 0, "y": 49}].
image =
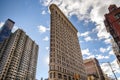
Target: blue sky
[{"x": 33, "y": 16}]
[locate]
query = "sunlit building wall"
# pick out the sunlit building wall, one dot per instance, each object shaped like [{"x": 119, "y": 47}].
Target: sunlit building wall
[
  {"x": 66, "y": 62},
  {"x": 93, "y": 69},
  {"x": 18, "y": 57}
]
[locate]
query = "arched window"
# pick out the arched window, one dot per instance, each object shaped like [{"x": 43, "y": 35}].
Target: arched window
[{"x": 59, "y": 76}]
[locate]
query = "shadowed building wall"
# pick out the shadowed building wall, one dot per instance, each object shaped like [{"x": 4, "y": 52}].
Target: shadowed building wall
[{"x": 112, "y": 24}]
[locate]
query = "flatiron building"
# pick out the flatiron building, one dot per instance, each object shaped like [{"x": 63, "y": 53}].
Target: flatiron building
[{"x": 66, "y": 62}]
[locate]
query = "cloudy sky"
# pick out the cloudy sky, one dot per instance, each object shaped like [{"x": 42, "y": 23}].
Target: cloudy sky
[{"x": 33, "y": 16}]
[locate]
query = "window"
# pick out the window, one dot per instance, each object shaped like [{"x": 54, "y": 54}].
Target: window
[
  {"x": 117, "y": 16},
  {"x": 119, "y": 22},
  {"x": 59, "y": 76},
  {"x": 54, "y": 75},
  {"x": 50, "y": 75},
  {"x": 52, "y": 67},
  {"x": 65, "y": 77},
  {"x": 55, "y": 12}
]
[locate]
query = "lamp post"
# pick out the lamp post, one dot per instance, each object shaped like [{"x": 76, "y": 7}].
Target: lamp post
[{"x": 112, "y": 70}]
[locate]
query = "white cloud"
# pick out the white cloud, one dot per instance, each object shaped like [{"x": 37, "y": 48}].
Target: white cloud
[
  {"x": 106, "y": 67},
  {"x": 45, "y": 38},
  {"x": 108, "y": 48},
  {"x": 91, "y": 56},
  {"x": 90, "y": 10},
  {"x": 88, "y": 38},
  {"x": 78, "y": 34},
  {"x": 111, "y": 52},
  {"x": 85, "y": 34},
  {"x": 47, "y": 48},
  {"x": 1, "y": 24},
  {"x": 118, "y": 78},
  {"x": 43, "y": 12},
  {"x": 81, "y": 41},
  {"x": 102, "y": 34},
  {"x": 43, "y": 29},
  {"x": 46, "y": 2},
  {"x": 102, "y": 50},
  {"x": 102, "y": 57},
  {"x": 46, "y": 59},
  {"x": 14, "y": 28},
  {"x": 86, "y": 52},
  {"x": 108, "y": 41}
]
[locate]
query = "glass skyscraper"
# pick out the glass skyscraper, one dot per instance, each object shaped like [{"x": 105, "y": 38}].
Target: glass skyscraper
[{"x": 5, "y": 30}]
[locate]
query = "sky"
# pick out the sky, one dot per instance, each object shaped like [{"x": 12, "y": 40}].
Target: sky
[{"x": 33, "y": 16}]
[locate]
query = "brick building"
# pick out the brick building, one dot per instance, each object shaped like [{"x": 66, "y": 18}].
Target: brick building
[
  {"x": 112, "y": 24},
  {"x": 93, "y": 69}
]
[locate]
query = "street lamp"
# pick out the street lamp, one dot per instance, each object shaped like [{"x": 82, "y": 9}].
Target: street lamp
[{"x": 111, "y": 69}]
